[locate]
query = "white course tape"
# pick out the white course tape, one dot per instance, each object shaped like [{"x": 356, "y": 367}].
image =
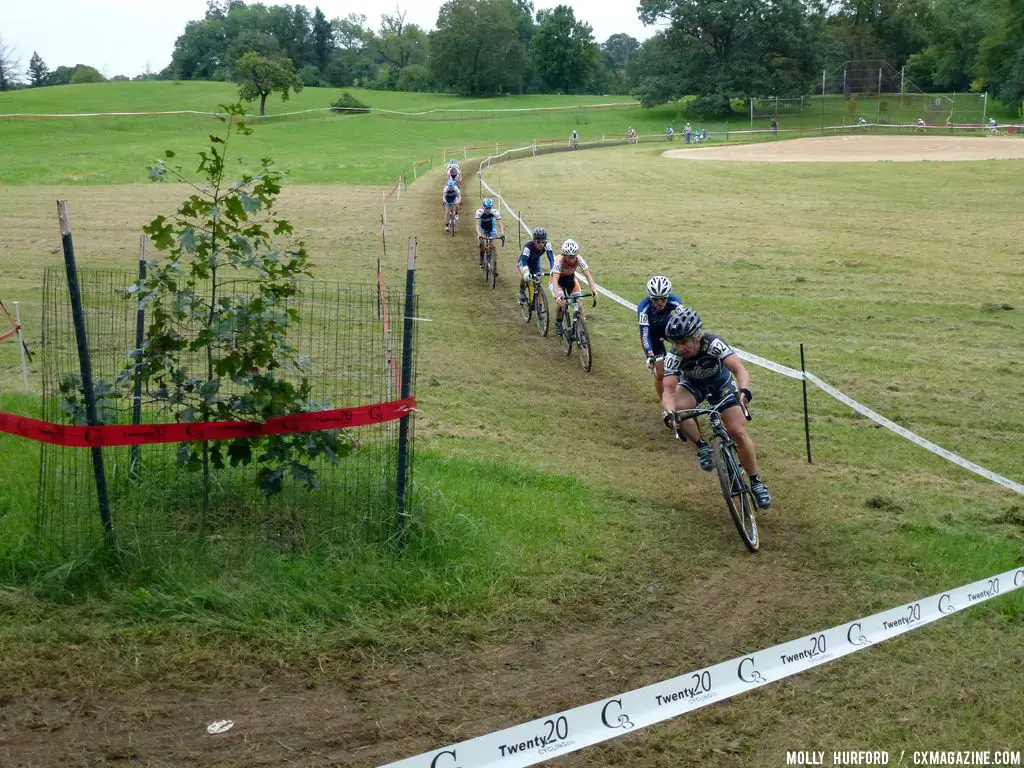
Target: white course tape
[
  {"x": 793, "y": 373},
  {"x": 548, "y": 737}
]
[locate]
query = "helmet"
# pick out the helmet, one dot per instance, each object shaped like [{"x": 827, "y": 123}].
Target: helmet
[
  {"x": 659, "y": 287},
  {"x": 570, "y": 248},
  {"x": 452, "y": 162},
  {"x": 451, "y": 183},
  {"x": 540, "y": 234},
  {"x": 683, "y": 326},
  {"x": 488, "y": 203}
]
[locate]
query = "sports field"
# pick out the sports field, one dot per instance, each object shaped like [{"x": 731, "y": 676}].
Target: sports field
[{"x": 575, "y": 550}]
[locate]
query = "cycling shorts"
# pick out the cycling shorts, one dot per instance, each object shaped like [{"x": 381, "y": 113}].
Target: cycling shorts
[
  {"x": 569, "y": 283},
  {"x": 713, "y": 390}
]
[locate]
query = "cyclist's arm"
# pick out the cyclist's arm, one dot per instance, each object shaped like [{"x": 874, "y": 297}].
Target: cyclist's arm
[
  {"x": 736, "y": 367},
  {"x": 668, "y": 392},
  {"x": 556, "y": 289},
  {"x": 590, "y": 279},
  {"x": 645, "y": 331},
  {"x": 551, "y": 256}
]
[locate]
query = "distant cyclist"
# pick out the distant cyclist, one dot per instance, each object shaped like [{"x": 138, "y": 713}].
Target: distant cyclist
[
  {"x": 451, "y": 197},
  {"x": 529, "y": 259},
  {"x": 653, "y": 314},
  {"x": 993, "y": 126},
  {"x": 563, "y": 278},
  {"x": 574, "y": 140},
  {"x": 670, "y": 134},
  {"x": 488, "y": 224},
  {"x": 702, "y": 367},
  {"x": 455, "y": 173}
]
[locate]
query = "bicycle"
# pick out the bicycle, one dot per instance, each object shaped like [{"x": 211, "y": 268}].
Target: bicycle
[
  {"x": 574, "y": 143},
  {"x": 450, "y": 219},
  {"x": 490, "y": 263},
  {"x": 574, "y": 329},
  {"x": 733, "y": 480},
  {"x": 536, "y": 303}
]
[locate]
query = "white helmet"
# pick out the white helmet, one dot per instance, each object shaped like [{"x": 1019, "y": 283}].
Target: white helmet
[
  {"x": 570, "y": 248},
  {"x": 659, "y": 287}
]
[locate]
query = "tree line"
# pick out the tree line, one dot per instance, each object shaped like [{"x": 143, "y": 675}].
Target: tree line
[{"x": 715, "y": 50}]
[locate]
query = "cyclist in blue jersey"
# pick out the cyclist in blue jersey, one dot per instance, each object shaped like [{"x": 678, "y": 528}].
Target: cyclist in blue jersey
[
  {"x": 451, "y": 198},
  {"x": 454, "y": 173},
  {"x": 652, "y": 315},
  {"x": 702, "y": 367},
  {"x": 529, "y": 259},
  {"x": 488, "y": 224}
]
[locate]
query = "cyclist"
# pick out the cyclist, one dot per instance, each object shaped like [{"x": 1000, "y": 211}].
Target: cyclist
[
  {"x": 488, "y": 223},
  {"x": 631, "y": 135},
  {"x": 455, "y": 173},
  {"x": 670, "y": 133},
  {"x": 563, "y": 278},
  {"x": 653, "y": 313},
  {"x": 574, "y": 140},
  {"x": 529, "y": 259},
  {"x": 702, "y": 367},
  {"x": 993, "y": 126},
  {"x": 451, "y": 197}
]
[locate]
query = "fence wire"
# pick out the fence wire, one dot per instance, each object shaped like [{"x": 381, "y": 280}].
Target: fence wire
[{"x": 156, "y": 503}]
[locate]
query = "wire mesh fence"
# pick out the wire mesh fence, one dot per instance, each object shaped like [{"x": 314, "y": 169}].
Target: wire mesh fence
[{"x": 155, "y": 501}]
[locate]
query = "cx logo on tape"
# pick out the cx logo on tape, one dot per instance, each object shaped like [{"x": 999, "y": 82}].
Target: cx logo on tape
[
  {"x": 750, "y": 675},
  {"x": 435, "y": 763},
  {"x": 622, "y": 721},
  {"x": 946, "y": 604},
  {"x": 856, "y": 638},
  {"x": 1018, "y": 578}
]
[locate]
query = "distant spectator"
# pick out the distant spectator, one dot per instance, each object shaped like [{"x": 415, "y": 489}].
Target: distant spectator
[
  {"x": 775, "y": 127},
  {"x": 688, "y": 133}
]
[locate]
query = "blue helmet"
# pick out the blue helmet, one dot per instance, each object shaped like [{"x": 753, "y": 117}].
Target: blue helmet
[
  {"x": 488, "y": 203},
  {"x": 451, "y": 184}
]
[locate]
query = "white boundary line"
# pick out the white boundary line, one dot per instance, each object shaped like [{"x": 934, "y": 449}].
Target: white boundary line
[
  {"x": 795, "y": 374},
  {"x": 572, "y": 729}
]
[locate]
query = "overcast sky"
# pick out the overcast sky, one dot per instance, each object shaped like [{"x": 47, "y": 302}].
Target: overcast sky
[{"x": 123, "y": 37}]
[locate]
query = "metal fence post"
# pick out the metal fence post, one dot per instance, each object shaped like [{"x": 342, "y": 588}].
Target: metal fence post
[
  {"x": 807, "y": 423},
  {"x": 140, "y": 332},
  {"x": 85, "y": 365},
  {"x": 407, "y": 371},
  {"x": 21, "y": 345}
]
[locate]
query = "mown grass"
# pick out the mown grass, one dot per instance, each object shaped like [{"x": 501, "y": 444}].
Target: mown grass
[{"x": 553, "y": 502}]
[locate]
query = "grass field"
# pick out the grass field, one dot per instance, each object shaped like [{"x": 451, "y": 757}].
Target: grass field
[{"x": 571, "y": 550}]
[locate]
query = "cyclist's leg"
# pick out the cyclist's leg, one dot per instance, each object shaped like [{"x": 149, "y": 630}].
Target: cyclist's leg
[
  {"x": 658, "y": 347},
  {"x": 566, "y": 283},
  {"x": 687, "y": 397},
  {"x": 736, "y": 426},
  {"x": 576, "y": 289}
]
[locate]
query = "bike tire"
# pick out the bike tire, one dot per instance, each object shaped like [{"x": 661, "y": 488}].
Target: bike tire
[
  {"x": 525, "y": 307},
  {"x": 541, "y": 315},
  {"x": 736, "y": 492},
  {"x": 586, "y": 354},
  {"x": 566, "y": 338},
  {"x": 492, "y": 270},
  {"x": 451, "y": 226}
]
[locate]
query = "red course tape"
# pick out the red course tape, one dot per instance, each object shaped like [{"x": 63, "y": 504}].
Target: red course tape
[{"x": 147, "y": 434}]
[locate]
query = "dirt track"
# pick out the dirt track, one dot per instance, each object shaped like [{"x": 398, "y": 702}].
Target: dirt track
[{"x": 863, "y": 149}]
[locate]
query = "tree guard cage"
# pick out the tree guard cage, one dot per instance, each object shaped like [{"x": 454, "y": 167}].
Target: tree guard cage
[{"x": 155, "y": 503}]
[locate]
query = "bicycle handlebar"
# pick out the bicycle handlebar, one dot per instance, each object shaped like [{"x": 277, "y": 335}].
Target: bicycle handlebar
[
  {"x": 726, "y": 402},
  {"x": 575, "y": 296}
]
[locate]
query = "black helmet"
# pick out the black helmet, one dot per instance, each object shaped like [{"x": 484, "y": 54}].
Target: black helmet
[
  {"x": 540, "y": 234},
  {"x": 683, "y": 326}
]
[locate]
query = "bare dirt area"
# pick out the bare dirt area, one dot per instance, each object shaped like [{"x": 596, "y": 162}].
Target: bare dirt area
[{"x": 862, "y": 149}]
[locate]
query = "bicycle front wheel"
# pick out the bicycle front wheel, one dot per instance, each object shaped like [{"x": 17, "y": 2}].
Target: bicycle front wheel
[
  {"x": 736, "y": 492},
  {"x": 583, "y": 344},
  {"x": 542, "y": 319},
  {"x": 491, "y": 269},
  {"x": 526, "y": 305},
  {"x": 566, "y": 338}
]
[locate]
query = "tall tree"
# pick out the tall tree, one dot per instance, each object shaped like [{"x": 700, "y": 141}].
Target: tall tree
[
  {"x": 475, "y": 50},
  {"x": 564, "y": 51},
  {"x": 258, "y": 77},
  {"x": 400, "y": 44},
  {"x": 1000, "y": 63},
  {"x": 724, "y": 49},
  {"x": 322, "y": 43},
  {"x": 37, "y": 70},
  {"x": 619, "y": 49},
  {"x": 10, "y": 67}
]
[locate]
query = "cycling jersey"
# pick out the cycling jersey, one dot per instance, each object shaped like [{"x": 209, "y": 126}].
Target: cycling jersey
[
  {"x": 487, "y": 220},
  {"x": 454, "y": 172},
  {"x": 566, "y": 266},
  {"x": 652, "y": 322},
  {"x": 530, "y": 257},
  {"x": 704, "y": 374},
  {"x": 452, "y": 196}
]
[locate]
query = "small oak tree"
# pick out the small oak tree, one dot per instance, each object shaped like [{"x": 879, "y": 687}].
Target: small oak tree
[
  {"x": 222, "y": 291},
  {"x": 259, "y": 76}
]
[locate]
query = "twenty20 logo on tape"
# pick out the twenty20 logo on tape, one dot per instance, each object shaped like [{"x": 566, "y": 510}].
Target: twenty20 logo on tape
[
  {"x": 816, "y": 649},
  {"x": 608, "y": 714},
  {"x": 748, "y": 673},
  {"x": 698, "y": 690}
]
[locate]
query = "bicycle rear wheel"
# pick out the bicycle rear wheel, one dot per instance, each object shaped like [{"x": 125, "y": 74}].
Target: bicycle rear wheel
[
  {"x": 542, "y": 318},
  {"x": 492, "y": 269},
  {"x": 583, "y": 344},
  {"x": 566, "y": 338},
  {"x": 451, "y": 224},
  {"x": 736, "y": 492}
]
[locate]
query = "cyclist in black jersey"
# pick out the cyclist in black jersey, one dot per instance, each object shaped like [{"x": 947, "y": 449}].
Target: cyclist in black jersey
[{"x": 702, "y": 367}]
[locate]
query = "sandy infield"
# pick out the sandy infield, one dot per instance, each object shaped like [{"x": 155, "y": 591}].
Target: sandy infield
[{"x": 856, "y": 149}]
